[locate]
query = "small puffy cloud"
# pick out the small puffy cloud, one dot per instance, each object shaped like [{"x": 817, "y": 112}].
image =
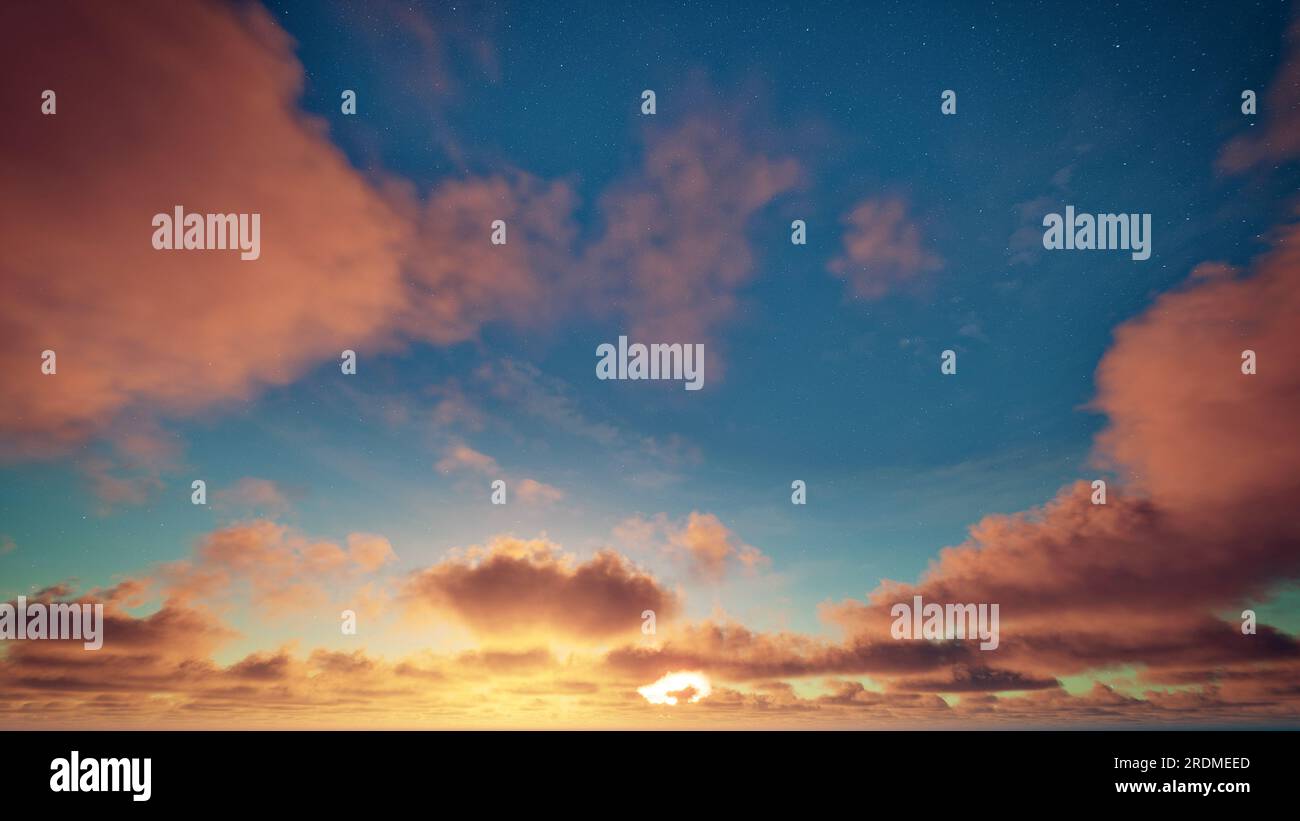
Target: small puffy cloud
[
  {"x": 535, "y": 492},
  {"x": 708, "y": 548},
  {"x": 882, "y": 250},
  {"x": 461, "y": 457},
  {"x": 711, "y": 546}
]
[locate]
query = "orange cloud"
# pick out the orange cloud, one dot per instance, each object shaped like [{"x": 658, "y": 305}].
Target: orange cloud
[
  {"x": 711, "y": 546},
  {"x": 369, "y": 552},
  {"x": 461, "y": 457},
  {"x": 1185, "y": 422},
  {"x": 535, "y": 492},
  {"x": 281, "y": 570}
]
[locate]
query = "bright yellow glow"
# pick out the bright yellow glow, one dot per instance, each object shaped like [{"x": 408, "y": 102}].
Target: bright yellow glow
[{"x": 666, "y": 689}]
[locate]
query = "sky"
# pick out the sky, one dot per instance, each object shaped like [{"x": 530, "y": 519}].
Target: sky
[{"x": 372, "y": 492}]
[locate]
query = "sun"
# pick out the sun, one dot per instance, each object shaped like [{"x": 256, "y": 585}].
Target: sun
[{"x": 667, "y": 689}]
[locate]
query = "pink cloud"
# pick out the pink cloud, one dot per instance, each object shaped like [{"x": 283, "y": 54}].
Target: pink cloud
[
  {"x": 674, "y": 252},
  {"x": 882, "y": 250}
]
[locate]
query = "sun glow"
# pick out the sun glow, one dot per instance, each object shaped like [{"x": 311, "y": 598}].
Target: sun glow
[{"x": 674, "y": 685}]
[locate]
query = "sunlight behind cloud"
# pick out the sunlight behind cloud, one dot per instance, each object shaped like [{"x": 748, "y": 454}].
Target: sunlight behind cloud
[{"x": 667, "y": 689}]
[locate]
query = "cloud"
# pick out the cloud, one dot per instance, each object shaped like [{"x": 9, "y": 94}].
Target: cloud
[
  {"x": 252, "y": 493},
  {"x": 128, "y": 468},
  {"x": 521, "y": 596},
  {"x": 882, "y": 249},
  {"x": 513, "y": 587},
  {"x": 1186, "y": 423},
  {"x": 533, "y": 492},
  {"x": 369, "y": 552},
  {"x": 461, "y": 281},
  {"x": 461, "y": 457},
  {"x": 729, "y": 651},
  {"x": 709, "y": 549},
  {"x": 711, "y": 546},
  {"x": 1026, "y": 244},
  {"x": 1199, "y": 523},
  {"x": 421, "y": 47},
  {"x": 175, "y": 330},
  {"x": 347, "y": 261},
  {"x": 160, "y": 650},
  {"x": 975, "y": 680},
  {"x": 280, "y": 570},
  {"x": 420, "y": 59},
  {"x": 1083, "y": 587},
  {"x": 674, "y": 235}
]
